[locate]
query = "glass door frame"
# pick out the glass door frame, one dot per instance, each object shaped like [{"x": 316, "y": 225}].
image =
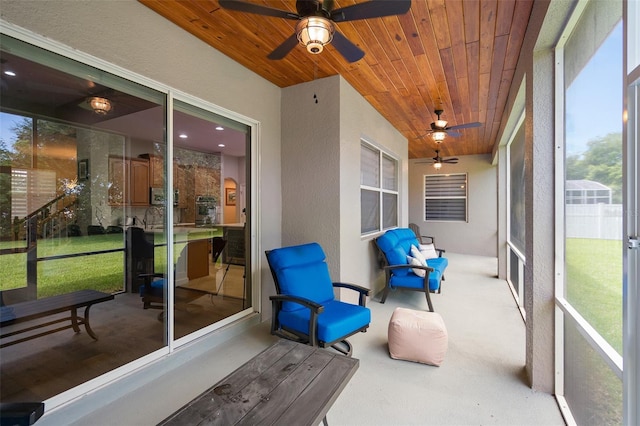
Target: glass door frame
[{"x": 631, "y": 220}]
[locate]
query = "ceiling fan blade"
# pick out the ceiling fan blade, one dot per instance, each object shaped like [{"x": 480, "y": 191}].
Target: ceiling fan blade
[
  {"x": 257, "y": 9},
  {"x": 453, "y": 134},
  {"x": 350, "y": 51},
  {"x": 284, "y": 49},
  {"x": 464, "y": 126},
  {"x": 450, "y": 160},
  {"x": 371, "y": 9}
]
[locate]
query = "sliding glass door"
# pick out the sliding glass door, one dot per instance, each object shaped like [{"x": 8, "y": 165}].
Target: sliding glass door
[
  {"x": 121, "y": 192},
  {"x": 631, "y": 296}
]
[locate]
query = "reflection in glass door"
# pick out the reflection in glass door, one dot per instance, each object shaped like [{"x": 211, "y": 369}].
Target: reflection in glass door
[
  {"x": 73, "y": 197},
  {"x": 211, "y": 283}
]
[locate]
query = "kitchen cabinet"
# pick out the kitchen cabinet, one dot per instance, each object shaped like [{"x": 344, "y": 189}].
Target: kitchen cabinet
[
  {"x": 128, "y": 181},
  {"x": 156, "y": 170},
  {"x": 156, "y": 178}
]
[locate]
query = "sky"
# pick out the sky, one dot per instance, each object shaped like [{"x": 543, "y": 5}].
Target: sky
[
  {"x": 6, "y": 123},
  {"x": 594, "y": 99}
]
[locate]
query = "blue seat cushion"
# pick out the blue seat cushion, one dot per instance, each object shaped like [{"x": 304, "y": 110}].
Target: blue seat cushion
[
  {"x": 302, "y": 271},
  {"x": 411, "y": 280},
  {"x": 438, "y": 263},
  {"x": 156, "y": 287},
  {"x": 339, "y": 319}
]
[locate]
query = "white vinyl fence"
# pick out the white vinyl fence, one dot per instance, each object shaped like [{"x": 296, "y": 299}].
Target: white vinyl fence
[{"x": 601, "y": 221}]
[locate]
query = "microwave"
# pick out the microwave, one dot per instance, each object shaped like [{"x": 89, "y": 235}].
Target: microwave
[{"x": 157, "y": 196}]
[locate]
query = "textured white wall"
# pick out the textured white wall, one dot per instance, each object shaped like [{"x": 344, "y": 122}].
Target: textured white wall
[
  {"x": 359, "y": 120},
  {"x": 479, "y": 235},
  {"x": 311, "y": 166},
  {"x": 128, "y": 34},
  {"x": 321, "y": 173}
]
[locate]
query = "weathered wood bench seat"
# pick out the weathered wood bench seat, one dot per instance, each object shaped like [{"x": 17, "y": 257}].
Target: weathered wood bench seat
[
  {"x": 287, "y": 384},
  {"x": 41, "y": 308}
]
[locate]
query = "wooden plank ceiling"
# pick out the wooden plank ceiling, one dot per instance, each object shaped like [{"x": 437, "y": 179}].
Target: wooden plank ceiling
[{"x": 454, "y": 55}]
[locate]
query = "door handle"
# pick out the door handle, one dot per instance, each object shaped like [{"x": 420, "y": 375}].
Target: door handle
[{"x": 633, "y": 243}]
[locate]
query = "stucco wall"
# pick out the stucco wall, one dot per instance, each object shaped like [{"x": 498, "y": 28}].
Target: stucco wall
[
  {"x": 321, "y": 173},
  {"x": 129, "y": 35},
  {"x": 479, "y": 235},
  {"x": 359, "y": 120}
]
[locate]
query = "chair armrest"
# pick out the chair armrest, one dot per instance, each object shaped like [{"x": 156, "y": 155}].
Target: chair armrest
[
  {"x": 364, "y": 292},
  {"x": 314, "y": 310},
  {"x": 154, "y": 275},
  {"x": 314, "y": 306},
  {"x": 433, "y": 240},
  {"x": 440, "y": 251},
  {"x": 426, "y": 268}
]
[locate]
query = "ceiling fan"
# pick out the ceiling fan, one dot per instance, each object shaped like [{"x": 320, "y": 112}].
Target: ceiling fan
[
  {"x": 439, "y": 129},
  {"x": 438, "y": 161},
  {"x": 316, "y": 28}
]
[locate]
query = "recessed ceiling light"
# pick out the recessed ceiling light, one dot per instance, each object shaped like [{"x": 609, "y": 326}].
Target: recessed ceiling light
[
  {"x": 221, "y": 145},
  {"x": 219, "y": 128},
  {"x": 182, "y": 136},
  {"x": 10, "y": 73}
]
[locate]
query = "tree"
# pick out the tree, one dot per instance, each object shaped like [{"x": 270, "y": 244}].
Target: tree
[{"x": 601, "y": 162}]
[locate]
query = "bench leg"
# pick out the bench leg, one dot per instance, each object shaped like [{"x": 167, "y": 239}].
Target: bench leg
[
  {"x": 74, "y": 320},
  {"x": 86, "y": 323}
]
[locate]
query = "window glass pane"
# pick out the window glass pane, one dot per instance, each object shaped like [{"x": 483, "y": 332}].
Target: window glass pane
[
  {"x": 209, "y": 233},
  {"x": 446, "y": 197},
  {"x": 445, "y": 209},
  {"x": 389, "y": 173},
  {"x": 375, "y": 188},
  {"x": 633, "y": 36},
  {"x": 369, "y": 166},
  {"x": 389, "y": 210},
  {"x": 74, "y": 188},
  {"x": 592, "y": 390},
  {"x": 517, "y": 199},
  {"x": 514, "y": 273},
  {"x": 369, "y": 211},
  {"x": 593, "y": 159}
]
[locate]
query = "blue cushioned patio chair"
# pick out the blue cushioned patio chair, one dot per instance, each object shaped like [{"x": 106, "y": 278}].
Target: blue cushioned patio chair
[
  {"x": 394, "y": 246},
  {"x": 305, "y": 309}
]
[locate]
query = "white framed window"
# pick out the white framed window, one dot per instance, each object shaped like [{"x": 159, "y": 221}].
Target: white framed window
[
  {"x": 445, "y": 197},
  {"x": 378, "y": 189}
]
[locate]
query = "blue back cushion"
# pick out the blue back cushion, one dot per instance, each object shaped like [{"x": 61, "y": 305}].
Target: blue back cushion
[
  {"x": 302, "y": 271},
  {"x": 396, "y": 245}
]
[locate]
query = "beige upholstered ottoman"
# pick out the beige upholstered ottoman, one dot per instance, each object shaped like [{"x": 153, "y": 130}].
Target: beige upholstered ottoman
[{"x": 417, "y": 336}]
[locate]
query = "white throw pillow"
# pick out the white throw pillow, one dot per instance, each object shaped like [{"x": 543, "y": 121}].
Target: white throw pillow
[
  {"x": 415, "y": 262},
  {"x": 418, "y": 255},
  {"x": 428, "y": 251}
]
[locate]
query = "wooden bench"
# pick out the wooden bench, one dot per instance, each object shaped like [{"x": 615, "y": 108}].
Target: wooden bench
[
  {"x": 287, "y": 384},
  {"x": 40, "y": 308}
]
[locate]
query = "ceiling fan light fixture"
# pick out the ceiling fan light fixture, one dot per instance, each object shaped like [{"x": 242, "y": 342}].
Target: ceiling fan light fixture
[
  {"x": 441, "y": 123},
  {"x": 437, "y": 165},
  {"x": 100, "y": 106},
  {"x": 314, "y": 32},
  {"x": 439, "y": 136}
]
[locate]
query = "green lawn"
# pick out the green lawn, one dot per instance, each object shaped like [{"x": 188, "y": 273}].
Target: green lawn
[
  {"x": 103, "y": 272},
  {"x": 594, "y": 284}
]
